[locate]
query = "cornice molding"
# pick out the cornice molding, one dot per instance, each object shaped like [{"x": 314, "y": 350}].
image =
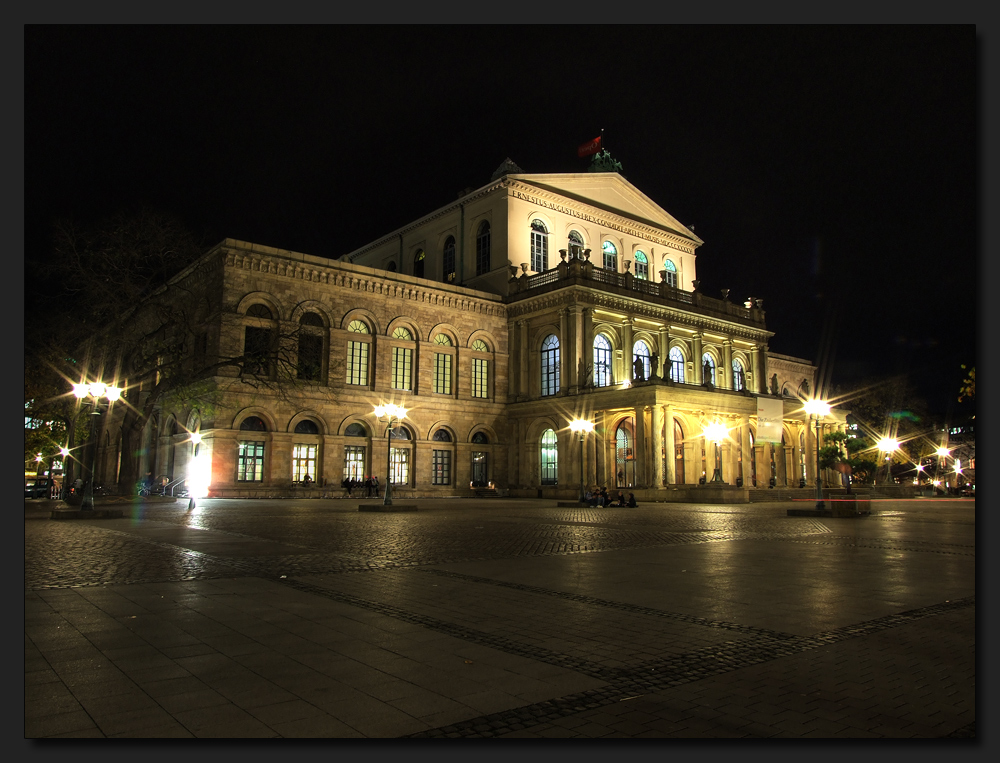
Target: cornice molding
[
  {"x": 360, "y": 282},
  {"x": 579, "y": 210}
]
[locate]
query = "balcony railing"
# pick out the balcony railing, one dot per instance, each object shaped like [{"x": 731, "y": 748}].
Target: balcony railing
[{"x": 576, "y": 268}]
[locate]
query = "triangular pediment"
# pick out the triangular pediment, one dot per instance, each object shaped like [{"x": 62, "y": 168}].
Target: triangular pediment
[{"x": 611, "y": 192}]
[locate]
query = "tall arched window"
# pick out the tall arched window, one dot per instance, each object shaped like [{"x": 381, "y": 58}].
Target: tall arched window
[
  {"x": 399, "y": 455},
  {"x": 640, "y": 352},
  {"x": 603, "y": 376},
  {"x": 358, "y": 347},
  {"x": 676, "y": 365},
  {"x": 708, "y": 368},
  {"x": 418, "y": 263},
  {"x": 671, "y": 269},
  {"x": 641, "y": 266},
  {"x": 442, "y": 365},
  {"x": 739, "y": 375},
  {"x": 441, "y": 459},
  {"x": 311, "y": 342},
  {"x": 480, "y": 460},
  {"x": 402, "y": 360},
  {"x": 575, "y": 244},
  {"x": 250, "y": 453},
  {"x": 624, "y": 455},
  {"x": 483, "y": 248},
  {"x": 304, "y": 451},
  {"x": 549, "y": 458},
  {"x": 354, "y": 455},
  {"x": 258, "y": 339},
  {"x": 480, "y": 369},
  {"x": 610, "y": 256},
  {"x": 448, "y": 257},
  {"x": 678, "y": 453},
  {"x": 539, "y": 246},
  {"x": 550, "y": 365}
]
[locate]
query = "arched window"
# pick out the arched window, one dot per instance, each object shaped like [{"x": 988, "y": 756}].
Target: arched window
[
  {"x": 676, "y": 365},
  {"x": 480, "y": 438},
  {"x": 311, "y": 341},
  {"x": 358, "y": 351},
  {"x": 624, "y": 455},
  {"x": 539, "y": 246},
  {"x": 603, "y": 376},
  {"x": 402, "y": 360},
  {"x": 253, "y": 424},
  {"x": 449, "y": 259},
  {"x": 356, "y": 430},
  {"x": 610, "y": 256},
  {"x": 671, "y": 269},
  {"x": 678, "y": 453},
  {"x": 418, "y": 263},
  {"x": 306, "y": 426},
  {"x": 483, "y": 248},
  {"x": 392, "y": 267},
  {"x": 480, "y": 461},
  {"x": 640, "y": 353},
  {"x": 354, "y": 455},
  {"x": 739, "y": 375},
  {"x": 441, "y": 459},
  {"x": 575, "y": 244},
  {"x": 708, "y": 368},
  {"x": 442, "y": 366},
  {"x": 549, "y": 458},
  {"x": 550, "y": 365},
  {"x": 480, "y": 370},
  {"x": 260, "y": 311},
  {"x": 641, "y": 266},
  {"x": 399, "y": 456}
]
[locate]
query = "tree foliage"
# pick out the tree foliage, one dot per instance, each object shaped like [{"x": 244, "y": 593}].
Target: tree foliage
[
  {"x": 968, "y": 389},
  {"x": 847, "y": 454}
]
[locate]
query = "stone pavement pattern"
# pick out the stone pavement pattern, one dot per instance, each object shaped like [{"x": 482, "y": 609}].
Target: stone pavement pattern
[{"x": 500, "y": 618}]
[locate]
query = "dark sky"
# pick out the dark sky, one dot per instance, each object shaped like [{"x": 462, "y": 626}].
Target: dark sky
[{"x": 830, "y": 170}]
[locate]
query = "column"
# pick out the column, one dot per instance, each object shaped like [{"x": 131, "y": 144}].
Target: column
[
  {"x": 733, "y": 449},
  {"x": 756, "y": 384},
  {"x": 587, "y": 324},
  {"x": 564, "y": 349},
  {"x": 575, "y": 379},
  {"x": 670, "y": 475},
  {"x": 727, "y": 359},
  {"x": 627, "y": 349},
  {"x": 762, "y": 360},
  {"x": 659, "y": 453},
  {"x": 522, "y": 351},
  {"x": 664, "y": 362},
  {"x": 699, "y": 369},
  {"x": 639, "y": 452}
]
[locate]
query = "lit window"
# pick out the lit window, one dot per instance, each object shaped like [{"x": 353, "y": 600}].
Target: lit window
[
  {"x": 641, "y": 266},
  {"x": 676, "y": 365},
  {"x": 483, "y": 249},
  {"x": 549, "y": 458},
  {"x": 480, "y": 371},
  {"x": 449, "y": 259},
  {"x": 575, "y": 244},
  {"x": 303, "y": 462},
  {"x": 250, "y": 462},
  {"x": 610, "y": 256},
  {"x": 709, "y": 372},
  {"x": 550, "y": 365},
  {"x": 640, "y": 352},
  {"x": 402, "y": 362},
  {"x": 357, "y": 362},
  {"x": 539, "y": 246},
  {"x": 602, "y": 361},
  {"x": 739, "y": 375},
  {"x": 441, "y": 467},
  {"x": 442, "y": 373},
  {"x": 671, "y": 273},
  {"x": 354, "y": 462}
]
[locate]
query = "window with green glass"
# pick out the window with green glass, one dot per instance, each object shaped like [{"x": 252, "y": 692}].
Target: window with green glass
[
  {"x": 250, "y": 462},
  {"x": 402, "y": 365},
  {"x": 442, "y": 373}
]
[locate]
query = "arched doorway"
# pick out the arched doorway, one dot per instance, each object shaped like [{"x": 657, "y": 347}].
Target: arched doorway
[{"x": 625, "y": 454}]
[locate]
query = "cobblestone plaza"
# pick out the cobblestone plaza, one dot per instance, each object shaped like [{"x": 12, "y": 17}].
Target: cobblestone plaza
[{"x": 500, "y": 618}]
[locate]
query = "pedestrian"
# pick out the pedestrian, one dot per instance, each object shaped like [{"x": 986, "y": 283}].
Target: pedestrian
[
  {"x": 605, "y": 498},
  {"x": 307, "y": 481},
  {"x": 621, "y": 498},
  {"x": 368, "y": 486},
  {"x": 631, "y": 501},
  {"x": 375, "y": 489}
]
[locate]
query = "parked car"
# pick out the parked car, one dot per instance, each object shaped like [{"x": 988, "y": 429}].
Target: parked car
[{"x": 38, "y": 487}]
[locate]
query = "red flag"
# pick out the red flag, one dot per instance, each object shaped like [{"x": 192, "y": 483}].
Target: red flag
[{"x": 590, "y": 147}]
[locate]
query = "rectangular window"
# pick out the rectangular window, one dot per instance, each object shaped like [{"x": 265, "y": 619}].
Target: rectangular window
[
  {"x": 441, "y": 465},
  {"x": 442, "y": 373},
  {"x": 250, "y": 462},
  {"x": 402, "y": 360},
  {"x": 480, "y": 377},
  {"x": 303, "y": 462},
  {"x": 256, "y": 350},
  {"x": 354, "y": 462},
  {"x": 539, "y": 251},
  {"x": 400, "y": 473},
  {"x": 310, "y": 358},
  {"x": 357, "y": 362}
]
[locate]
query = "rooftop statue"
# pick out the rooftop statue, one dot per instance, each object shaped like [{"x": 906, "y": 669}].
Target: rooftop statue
[{"x": 602, "y": 162}]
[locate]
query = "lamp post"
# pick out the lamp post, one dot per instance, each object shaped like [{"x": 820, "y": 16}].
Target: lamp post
[
  {"x": 581, "y": 427},
  {"x": 197, "y": 479},
  {"x": 389, "y": 411},
  {"x": 942, "y": 453},
  {"x": 716, "y": 432},
  {"x": 887, "y": 445},
  {"x": 817, "y": 410},
  {"x": 64, "y": 452},
  {"x": 95, "y": 394}
]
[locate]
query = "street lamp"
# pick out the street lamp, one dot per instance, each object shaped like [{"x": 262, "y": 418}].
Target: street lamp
[
  {"x": 942, "y": 453},
  {"x": 817, "y": 410},
  {"x": 716, "y": 432},
  {"x": 581, "y": 427},
  {"x": 389, "y": 411},
  {"x": 199, "y": 474},
  {"x": 887, "y": 445},
  {"x": 96, "y": 394}
]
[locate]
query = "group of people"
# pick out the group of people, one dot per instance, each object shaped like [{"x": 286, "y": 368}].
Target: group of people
[
  {"x": 599, "y": 496},
  {"x": 369, "y": 486}
]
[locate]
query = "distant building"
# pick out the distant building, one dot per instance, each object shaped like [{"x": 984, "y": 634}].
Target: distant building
[{"x": 496, "y": 320}]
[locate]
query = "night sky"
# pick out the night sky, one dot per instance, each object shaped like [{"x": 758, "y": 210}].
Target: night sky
[{"x": 831, "y": 171}]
